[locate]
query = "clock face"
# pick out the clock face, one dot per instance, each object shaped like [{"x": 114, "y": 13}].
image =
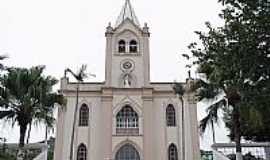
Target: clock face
[{"x": 127, "y": 65}]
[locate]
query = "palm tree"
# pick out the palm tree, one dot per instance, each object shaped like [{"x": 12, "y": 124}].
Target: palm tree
[
  {"x": 227, "y": 99},
  {"x": 79, "y": 76},
  {"x": 2, "y": 57},
  {"x": 46, "y": 103},
  {"x": 211, "y": 118},
  {"x": 25, "y": 95}
]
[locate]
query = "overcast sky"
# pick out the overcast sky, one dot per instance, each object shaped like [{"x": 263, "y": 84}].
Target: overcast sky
[{"x": 68, "y": 33}]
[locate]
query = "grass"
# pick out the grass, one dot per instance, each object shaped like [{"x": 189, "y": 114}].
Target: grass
[{"x": 6, "y": 156}]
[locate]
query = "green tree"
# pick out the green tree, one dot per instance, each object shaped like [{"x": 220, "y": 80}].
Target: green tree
[
  {"x": 259, "y": 132},
  {"x": 235, "y": 59},
  {"x": 25, "y": 96}
]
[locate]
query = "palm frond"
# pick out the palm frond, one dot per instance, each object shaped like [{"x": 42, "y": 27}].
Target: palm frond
[
  {"x": 207, "y": 90},
  {"x": 204, "y": 123},
  {"x": 212, "y": 115},
  {"x": 4, "y": 56},
  {"x": 81, "y": 74},
  {"x": 27, "y": 96},
  {"x": 6, "y": 114}
]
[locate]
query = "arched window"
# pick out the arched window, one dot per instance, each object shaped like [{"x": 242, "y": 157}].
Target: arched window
[
  {"x": 170, "y": 115},
  {"x": 121, "y": 46},
  {"x": 84, "y": 115},
  {"x": 133, "y": 46},
  {"x": 127, "y": 118},
  {"x": 127, "y": 152},
  {"x": 127, "y": 121},
  {"x": 172, "y": 152},
  {"x": 82, "y": 152}
]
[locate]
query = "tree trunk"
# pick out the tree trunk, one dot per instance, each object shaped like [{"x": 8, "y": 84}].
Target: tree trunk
[
  {"x": 213, "y": 131},
  {"x": 28, "y": 138},
  {"x": 28, "y": 133},
  {"x": 20, "y": 154},
  {"x": 237, "y": 133},
  {"x": 46, "y": 142}
]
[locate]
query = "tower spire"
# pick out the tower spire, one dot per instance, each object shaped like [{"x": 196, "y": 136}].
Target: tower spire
[{"x": 127, "y": 12}]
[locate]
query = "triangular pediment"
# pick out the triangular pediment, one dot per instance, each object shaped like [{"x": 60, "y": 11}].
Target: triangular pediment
[
  {"x": 127, "y": 101},
  {"x": 128, "y": 25}
]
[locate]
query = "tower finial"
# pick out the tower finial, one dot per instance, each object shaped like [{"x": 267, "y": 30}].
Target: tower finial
[
  {"x": 127, "y": 12},
  {"x": 109, "y": 29},
  {"x": 146, "y": 30}
]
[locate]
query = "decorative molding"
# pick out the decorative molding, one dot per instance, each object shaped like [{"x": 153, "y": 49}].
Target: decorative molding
[
  {"x": 128, "y": 141},
  {"x": 128, "y": 21},
  {"x": 127, "y": 54},
  {"x": 133, "y": 80},
  {"x": 127, "y": 101},
  {"x": 85, "y": 101},
  {"x": 127, "y": 70}
]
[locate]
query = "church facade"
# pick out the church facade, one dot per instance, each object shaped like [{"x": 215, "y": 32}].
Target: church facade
[{"x": 127, "y": 117}]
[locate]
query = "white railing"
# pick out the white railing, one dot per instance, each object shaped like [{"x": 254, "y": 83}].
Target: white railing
[
  {"x": 41, "y": 156},
  {"x": 44, "y": 153},
  {"x": 219, "y": 156},
  {"x": 256, "y": 150}
]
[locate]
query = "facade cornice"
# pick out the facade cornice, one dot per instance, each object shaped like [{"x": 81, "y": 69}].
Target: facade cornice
[
  {"x": 127, "y": 54},
  {"x": 89, "y": 92},
  {"x": 130, "y": 135},
  {"x": 107, "y": 94},
  {"x": 106, "y": 98},
  {"x": 147, "y": 94}
]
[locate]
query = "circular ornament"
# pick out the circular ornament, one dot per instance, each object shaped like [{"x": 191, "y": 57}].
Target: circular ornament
[{"x": 127, "y": 65}]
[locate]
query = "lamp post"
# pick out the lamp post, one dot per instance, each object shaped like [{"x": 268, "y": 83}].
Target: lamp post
[
  {"x": 80, "y": 76},
  {"x": 179, "y": 91},
  {"x": 74, "y": 120}
]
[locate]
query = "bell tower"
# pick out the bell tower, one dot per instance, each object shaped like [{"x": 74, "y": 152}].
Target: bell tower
[{"x": 127, "y": 51}]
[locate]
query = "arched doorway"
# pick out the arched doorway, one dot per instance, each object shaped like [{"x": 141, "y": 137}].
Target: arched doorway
[{"x": 127, "y": 152}]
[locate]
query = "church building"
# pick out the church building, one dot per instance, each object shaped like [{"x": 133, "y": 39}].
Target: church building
[{"x": 126, "y": 117}]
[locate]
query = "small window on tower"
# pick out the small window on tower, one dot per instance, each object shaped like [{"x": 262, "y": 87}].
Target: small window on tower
[
  {"x": 121, "y": 46},
  {"x": 133, "y": 46}
]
